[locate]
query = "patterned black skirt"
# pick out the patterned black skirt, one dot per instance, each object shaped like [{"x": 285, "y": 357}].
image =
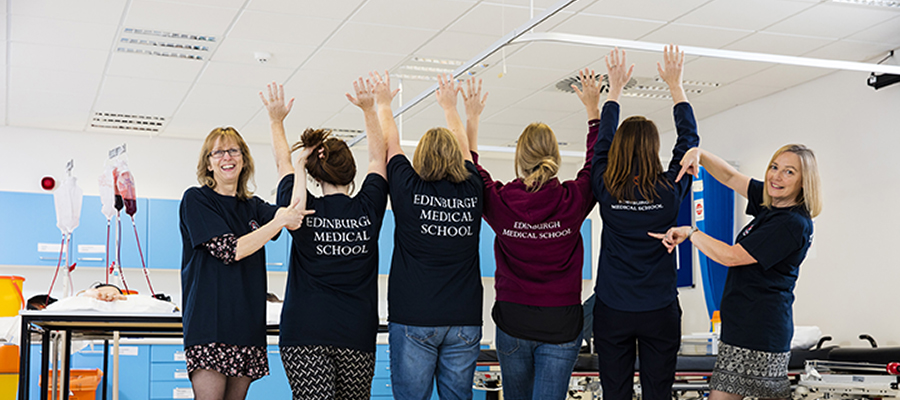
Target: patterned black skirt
[
  {"x": 751, "y": 373},
  {"x": 229, "y": 360}
]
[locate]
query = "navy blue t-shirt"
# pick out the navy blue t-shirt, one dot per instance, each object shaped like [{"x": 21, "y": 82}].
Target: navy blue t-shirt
[
  {"x": 635, "y": 272},
  {"x": 435, "y": 278},
  {"x": 757, "y": 301},
  {"x": 222, "y": 303},
  {"x": 332, "y": 288}
]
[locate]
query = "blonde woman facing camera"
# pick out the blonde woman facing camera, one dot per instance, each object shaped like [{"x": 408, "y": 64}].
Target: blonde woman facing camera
[
  {"x": 538, "y": 251},
  {"x": 764, "y": 262},
  {"x": 223, "y": 270}
]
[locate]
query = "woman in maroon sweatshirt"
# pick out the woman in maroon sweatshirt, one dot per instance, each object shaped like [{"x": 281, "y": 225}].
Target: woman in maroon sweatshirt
[{"x": 539, "y": 252}]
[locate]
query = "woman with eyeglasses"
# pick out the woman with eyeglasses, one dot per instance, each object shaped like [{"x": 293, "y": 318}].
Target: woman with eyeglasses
[{"x": 223, "y": 269}]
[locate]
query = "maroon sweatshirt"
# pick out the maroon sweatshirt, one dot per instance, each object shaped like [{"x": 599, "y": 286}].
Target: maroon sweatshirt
[{"x": 538, "y": 248}]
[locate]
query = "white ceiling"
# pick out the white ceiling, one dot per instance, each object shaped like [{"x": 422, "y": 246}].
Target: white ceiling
[{"x": 62, "y": 64}]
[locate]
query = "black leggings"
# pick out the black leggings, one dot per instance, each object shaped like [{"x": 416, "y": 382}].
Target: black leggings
[{"x": 656, "y": 335}]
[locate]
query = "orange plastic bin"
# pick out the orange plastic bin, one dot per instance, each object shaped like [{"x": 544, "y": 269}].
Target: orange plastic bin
[
  {"x": 82, "y": 383},
  {"x": 9, "y": 370}
]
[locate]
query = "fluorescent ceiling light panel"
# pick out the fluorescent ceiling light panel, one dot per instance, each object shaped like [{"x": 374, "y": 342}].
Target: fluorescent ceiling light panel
[
  {"x": 706, "y": 52},
  {"x": 874, "y": 3}
]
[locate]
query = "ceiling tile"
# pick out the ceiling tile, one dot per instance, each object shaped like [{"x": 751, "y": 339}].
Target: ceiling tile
[
  {"x": 558, "y": 56},
  {"x": 33, "y": 109},
  {"x": 773, "y": 43},
  {"x": 518, "y": 77},
  {"x": 57, "y": 58},
  {"x": 179, "y": 17},
  {"x": 522, "y": 116},
  {"x": 645, "y": 9},
  {"x": 95, "y": 11},
  {"x": 456, "y": 45},
  {"x": 743, "y": 14},
  {"x": 726, "y": 97},
  {"x": 153, "y": 67},
  {"x": 607, "y": 26},
  {"x": 332, "y": 9},
  {"x": 722, "y": 71},
  {"x": 283, "y": 55},
  {"x": 230, "y": 96},
  {"x": 25, "y": 79},
  {"x": 695, "y": 35},
  {"x": 25, "y": 29},
  {"x": 379, "y": 38},
  {"x": 288, "y": 28},
  {"x": 234, "y": 4},
  {"x": 552, "y": 100},
  {"x": 887, "y": 32},
  {"x": 431, "y": 15},
  {"x": 501, "y": 97},
  {"x": 851, "y": 50},
  {"x": 784, "y": 76},
  {"x": 195, "y": 121},
  {"x": 491, "y": 19},
  {"x": 124, "y": 95},
  {"x": 246, "y": 75},
  {"x": 831, "y": 20},
  {"x": 347, "y": 66}
]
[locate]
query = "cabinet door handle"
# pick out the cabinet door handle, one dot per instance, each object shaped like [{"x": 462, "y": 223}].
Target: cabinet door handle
[
  {"x": 275, "y": 264},
  {"x": 48, "y": 258},
  {"x": 90, "y": 258}
]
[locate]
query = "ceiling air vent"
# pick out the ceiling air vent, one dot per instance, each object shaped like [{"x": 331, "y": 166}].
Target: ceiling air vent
[
  {"x": 165, "y": 44},
  {"x": 345, "y": 134},
  {"x": 646, "y": 88},
  {"x": 129, "y": 122},
  {"x": 565, "y": 85}
]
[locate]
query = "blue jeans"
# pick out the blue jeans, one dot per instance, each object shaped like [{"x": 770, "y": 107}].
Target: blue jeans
[
  {"x": 535, "y": 370},
  {"x": 421, "y": 354}
]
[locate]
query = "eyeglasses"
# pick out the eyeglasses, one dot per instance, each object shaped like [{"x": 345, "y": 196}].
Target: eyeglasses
[{"x": 234, "y": 153}]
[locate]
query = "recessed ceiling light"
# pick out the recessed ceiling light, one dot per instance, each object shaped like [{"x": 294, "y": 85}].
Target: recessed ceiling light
[
  {"x": 437, "y": 61},
  {"x": 132, "y": 122},
  {"x": 427, "y": 69},
  {"x": 165, "y": 44},
  {"x": 416, "y": 77},
  {"x": 874, "y": 3},
  {"x": 664, "y": 89}
]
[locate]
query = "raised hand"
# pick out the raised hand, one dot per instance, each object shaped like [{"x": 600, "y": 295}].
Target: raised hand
[
  {"x": 382, "y": 88},
  {"x": 589, "y": 94},
  {"x": 673, "y": 59},
  {"x": 447, "y": 91},
  {"x": 617, "y": 75},
  {"x": 365, "y": 94},
  {"x": 472, "y": 98},
  {"x": 690, "y": 164},
  {"x": 275, "y": 104}
]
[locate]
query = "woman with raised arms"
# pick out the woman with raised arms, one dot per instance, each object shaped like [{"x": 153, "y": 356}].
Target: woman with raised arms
[{"x": 330, "y": 316}]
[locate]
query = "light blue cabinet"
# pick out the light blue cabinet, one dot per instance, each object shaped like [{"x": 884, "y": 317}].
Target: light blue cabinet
[
  {"x": 134, "y": 362},
  {"x": 29, "y": 236}
]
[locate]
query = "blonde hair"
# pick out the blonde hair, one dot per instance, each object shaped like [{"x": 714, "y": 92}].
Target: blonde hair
[
  {"x": 205, "y": 176},
  {"x": 810, "y": 195},
  {"x": 634, "y": 160},
  {"x": 537, "y": 156},
  {"x": 438, "y": 157}
]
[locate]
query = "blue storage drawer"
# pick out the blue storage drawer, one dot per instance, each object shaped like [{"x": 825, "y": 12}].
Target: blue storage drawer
[
  {"x": 381, "y": 387},
  {"x": 383, "y": 369},
  {"x": 167, "y": 353},
  {"x": 171, "y": 390},
  {"x": 168, "y": 372}
]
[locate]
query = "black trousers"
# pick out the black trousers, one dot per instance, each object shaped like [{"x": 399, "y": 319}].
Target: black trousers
[{"x": 654, "y": 336}]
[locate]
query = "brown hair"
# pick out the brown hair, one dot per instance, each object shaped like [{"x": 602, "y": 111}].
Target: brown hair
[
  {"x": 438, "y": 157},
  {"x": 331, "y": 160},
  {"x": 537, "y": 156},
  {"x": 810, "y": 195},
  {"x": 205, "y": 176},
  {"x": 634, "y": 160}
]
